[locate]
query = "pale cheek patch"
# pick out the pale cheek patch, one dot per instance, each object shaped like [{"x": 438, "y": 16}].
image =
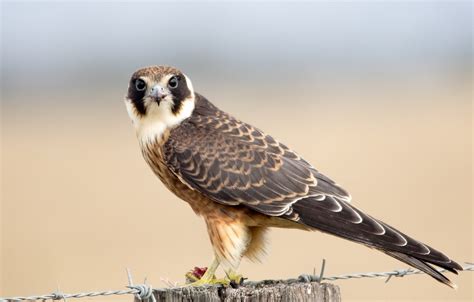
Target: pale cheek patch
[
  {"x": 132, "y": 112},
  {"x": 158, "y": 118},
  {"x": 190, "y": 86}
]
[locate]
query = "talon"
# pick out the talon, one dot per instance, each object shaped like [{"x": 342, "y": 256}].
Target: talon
[
  {"x": 234, "y": 284},
  {"x": 235, "y": 280}
]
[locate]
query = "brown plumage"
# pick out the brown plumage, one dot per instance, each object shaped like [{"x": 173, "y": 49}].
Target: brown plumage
[
  {"x": 243, "y": 181},
  {"x": 234, "y": 231}
]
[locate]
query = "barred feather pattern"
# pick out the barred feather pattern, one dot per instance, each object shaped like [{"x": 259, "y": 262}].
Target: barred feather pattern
[{"x": 237, "y": 165}]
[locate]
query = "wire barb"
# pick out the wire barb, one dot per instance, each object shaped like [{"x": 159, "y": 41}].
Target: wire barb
[
  {"x": 144, "y": 292},
  {"x": 321, "y": 273},
  {"x": 399, "y": 273},
  {"x": 58, "y": 296}
]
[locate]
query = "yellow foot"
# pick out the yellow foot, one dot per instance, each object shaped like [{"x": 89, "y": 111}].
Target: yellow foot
[
  {"x": 203, "y": 282},
  {"x": 203, "y": 276},
  {"x": 235, "y": 280}
]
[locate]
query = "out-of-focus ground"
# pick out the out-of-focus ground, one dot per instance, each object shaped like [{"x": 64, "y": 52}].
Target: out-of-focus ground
[
  {"x": 392, "y": 123},
  {"x": 80, "y": 204}
]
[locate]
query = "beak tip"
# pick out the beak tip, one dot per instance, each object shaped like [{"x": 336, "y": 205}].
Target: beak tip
[{"x": 157, "y": 99}]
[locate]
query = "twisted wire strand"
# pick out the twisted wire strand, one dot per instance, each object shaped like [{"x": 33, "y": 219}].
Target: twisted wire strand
[
  {"x": 395, "y": 273},
  {"x": 144, "y": 292},
  {"x": 62, "y": 296}
]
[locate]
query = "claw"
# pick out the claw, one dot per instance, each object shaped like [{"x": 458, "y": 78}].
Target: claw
[{"x": 235, "y": 280}]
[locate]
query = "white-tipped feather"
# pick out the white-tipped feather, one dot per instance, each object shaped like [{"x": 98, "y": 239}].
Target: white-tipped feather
[
  {"x": 381, "y": 227},
  {"x": 339, "y": 207},
  {"x": 359, "y": 218}
]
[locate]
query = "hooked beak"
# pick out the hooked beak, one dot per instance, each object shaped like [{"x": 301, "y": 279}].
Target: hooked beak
[{"x": 157, "y": 93}]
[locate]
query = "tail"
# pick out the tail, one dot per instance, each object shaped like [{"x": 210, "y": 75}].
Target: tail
[{"x": 337, "y": 217}]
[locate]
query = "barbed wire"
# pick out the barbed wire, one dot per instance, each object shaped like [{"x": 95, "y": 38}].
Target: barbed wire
[
  {"x": 144, "y": 292},
  {"x": 395, "y": 273}
]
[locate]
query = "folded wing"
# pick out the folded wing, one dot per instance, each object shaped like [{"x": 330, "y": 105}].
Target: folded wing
[{"x": 234, "y": 163}]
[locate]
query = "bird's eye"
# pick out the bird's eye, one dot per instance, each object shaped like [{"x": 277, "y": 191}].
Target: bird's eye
[
  {"x": 173, "y": 82},
  {"x": 140, "y": 85}
]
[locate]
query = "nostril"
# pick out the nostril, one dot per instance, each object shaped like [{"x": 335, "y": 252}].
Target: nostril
[{"x": 156, "y": 91}]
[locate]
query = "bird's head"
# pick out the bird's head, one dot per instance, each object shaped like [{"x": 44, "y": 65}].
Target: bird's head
[{"x": 159, "y": 97}]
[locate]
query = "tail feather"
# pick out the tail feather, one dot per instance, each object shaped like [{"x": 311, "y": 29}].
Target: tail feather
[
  {"x": 423, "y": 266},
  {"x": 337, "y": 217}
]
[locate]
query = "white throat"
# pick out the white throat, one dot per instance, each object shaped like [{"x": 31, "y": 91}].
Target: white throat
[{"x": 159, "y": 119}]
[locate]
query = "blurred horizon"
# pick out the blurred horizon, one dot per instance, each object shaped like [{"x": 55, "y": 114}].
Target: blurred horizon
[{"x": 276, "y": 41}]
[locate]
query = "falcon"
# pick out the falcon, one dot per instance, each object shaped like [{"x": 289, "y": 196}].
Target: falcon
[{"x": 242, "y": 181}]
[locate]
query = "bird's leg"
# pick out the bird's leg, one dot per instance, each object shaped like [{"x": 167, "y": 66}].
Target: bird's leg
[
  {"x": 208, "y": 277},
  {"x": 211, "y": 270}
]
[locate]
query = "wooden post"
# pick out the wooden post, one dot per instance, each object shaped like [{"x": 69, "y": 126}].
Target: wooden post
[{"x": 264, "y": 291}]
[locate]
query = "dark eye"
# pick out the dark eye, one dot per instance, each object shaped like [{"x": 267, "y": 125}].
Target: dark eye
[
  {"x": 140, "y": 85},
  {"x": 173, "y": 82}
]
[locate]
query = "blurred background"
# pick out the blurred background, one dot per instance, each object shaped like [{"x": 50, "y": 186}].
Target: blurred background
[{"x": 376, "y": 95}]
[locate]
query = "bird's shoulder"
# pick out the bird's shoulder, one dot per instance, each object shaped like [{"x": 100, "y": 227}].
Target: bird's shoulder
[
  {"x": 209, "y": 125},
  {"x": 213, "y": 133}
]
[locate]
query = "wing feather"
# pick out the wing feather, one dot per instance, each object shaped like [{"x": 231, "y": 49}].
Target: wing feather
[
  {"x": 232, "y": 162},
  {"x": 348, "y": 222}
]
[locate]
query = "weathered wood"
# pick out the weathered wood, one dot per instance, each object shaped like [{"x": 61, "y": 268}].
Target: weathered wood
[{"x": 270, "y": 291}]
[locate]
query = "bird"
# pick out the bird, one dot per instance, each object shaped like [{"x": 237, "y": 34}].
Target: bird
[{"x": 243, "y": 181}]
